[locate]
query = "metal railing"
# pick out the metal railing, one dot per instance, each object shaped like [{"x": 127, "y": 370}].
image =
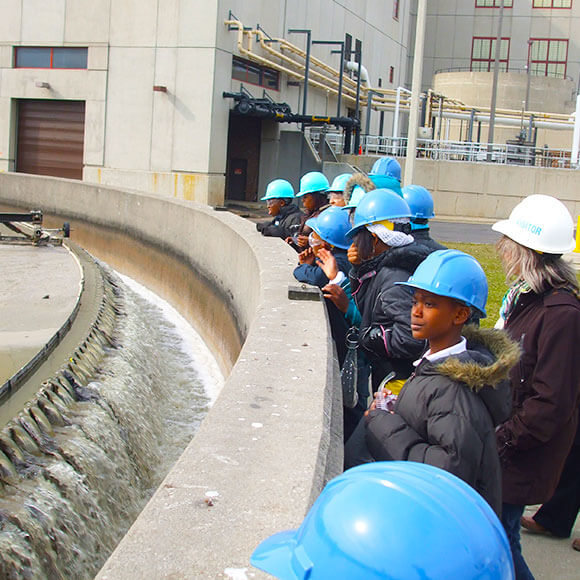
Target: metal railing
[{"x": 501, "y": 153}]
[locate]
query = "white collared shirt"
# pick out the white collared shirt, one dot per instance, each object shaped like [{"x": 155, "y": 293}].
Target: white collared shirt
[{"x": 460, "y": 347}]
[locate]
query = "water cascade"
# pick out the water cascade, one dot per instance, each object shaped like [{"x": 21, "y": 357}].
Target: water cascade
[{"x": 79, "y": 462}]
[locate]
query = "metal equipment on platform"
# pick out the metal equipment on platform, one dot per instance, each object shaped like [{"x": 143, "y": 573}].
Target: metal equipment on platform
[{"x": 28, "y": 227}]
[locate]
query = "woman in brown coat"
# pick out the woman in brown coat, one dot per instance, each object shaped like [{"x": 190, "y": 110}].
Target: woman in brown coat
[{"x": 541, "y": 311}]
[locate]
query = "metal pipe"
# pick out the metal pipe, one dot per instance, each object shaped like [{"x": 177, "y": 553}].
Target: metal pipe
[
  {"x": 576, "y": 135},
  {"x": 529, "y": 73}
]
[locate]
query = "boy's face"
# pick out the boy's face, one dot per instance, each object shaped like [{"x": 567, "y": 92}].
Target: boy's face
[
  {"x": 274, "y": 206},
  {"x": 438, "y": 319},
  {"x": 309, "y": 202}
]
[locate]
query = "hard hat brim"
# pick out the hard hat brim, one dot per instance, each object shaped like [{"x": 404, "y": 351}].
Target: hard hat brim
[
  {"x": 515, "y": 233},
  {"x": 428, "y": 288},
  {"x": 274, "y": 554}
]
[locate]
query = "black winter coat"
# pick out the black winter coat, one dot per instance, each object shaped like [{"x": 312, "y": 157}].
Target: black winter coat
[
  {"x": 446, "y": 413},
  {"x": 285, "y": 224},
  {"x": 385, "y": 330},
  {"x": 535, "y": 441},
  {"x": 424, "y": 237}
]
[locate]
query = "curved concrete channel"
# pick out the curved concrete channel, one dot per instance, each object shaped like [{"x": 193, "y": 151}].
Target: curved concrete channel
[{"x": 273, "y": 437}]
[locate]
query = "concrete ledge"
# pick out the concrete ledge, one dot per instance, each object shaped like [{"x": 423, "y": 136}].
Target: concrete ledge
[{"x": 273, "y": 437}]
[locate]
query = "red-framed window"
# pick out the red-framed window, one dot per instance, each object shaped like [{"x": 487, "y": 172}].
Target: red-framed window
[
  {"x": 396, "y": 4},
  {"x": 566, "y": 4},
  {"x": 493, "y": 3},
  {"x": 483, "y": 53},
  {"x": 50, "y": 57},
  {"x": 548, "y": 57},
  {"x": 254, "y": 74}
]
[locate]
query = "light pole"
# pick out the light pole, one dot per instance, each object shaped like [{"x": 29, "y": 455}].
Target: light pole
[
  {"x": 530, "y": 42},
  {"x": 490, "y": 135},
  {"x": 415, "y": 90}
]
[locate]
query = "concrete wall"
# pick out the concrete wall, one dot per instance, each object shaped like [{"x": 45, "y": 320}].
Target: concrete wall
[
  {"x": 274, "y": 436},
  {"x": 485, "y": 190}
]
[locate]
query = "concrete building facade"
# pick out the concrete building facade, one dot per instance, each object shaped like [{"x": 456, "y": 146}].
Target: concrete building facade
[
  {"x": 539, "y": 58},
  {"x": 130, "y": 93}
]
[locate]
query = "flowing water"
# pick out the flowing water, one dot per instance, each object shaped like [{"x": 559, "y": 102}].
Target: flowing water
[{"x": 74, "y": 474}]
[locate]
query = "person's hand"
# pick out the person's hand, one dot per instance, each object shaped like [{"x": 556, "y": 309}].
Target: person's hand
[
  {"x": 337, "y": 296},
  {"x": 302, "y": 241},
  {"x": 327, "y": 263},
  {"x": 353, "y": 255},
  {"x": 306, "y": 257}
]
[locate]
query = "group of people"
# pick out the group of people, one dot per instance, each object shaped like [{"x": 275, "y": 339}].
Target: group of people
[{"x": 498, "y": 408}]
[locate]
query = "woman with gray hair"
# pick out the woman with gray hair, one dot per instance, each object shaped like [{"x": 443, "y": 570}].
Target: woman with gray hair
[{"x": 541, "y": 310}]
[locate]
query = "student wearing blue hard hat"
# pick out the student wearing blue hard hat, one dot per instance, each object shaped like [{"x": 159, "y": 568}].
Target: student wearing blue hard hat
[
  {"x": 391, "y": 520},
  {"x": 383, "y": 252},
  {"x": 286, "y": 215},
  {"x": 386, "y": 174},
  {"x": 336, "y": 189},
  {"x": 329, "y": 230},
  {"x": 446, "y": 413},
  {"x": 314, "y": 194},
  {"x": 420, "y": 203}
]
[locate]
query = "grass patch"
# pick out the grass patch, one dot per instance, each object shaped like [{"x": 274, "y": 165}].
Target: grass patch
[{"x": 486, "y": 255}]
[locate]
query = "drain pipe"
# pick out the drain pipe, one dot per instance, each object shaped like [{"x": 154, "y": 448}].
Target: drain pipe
[
  {"x": 398, "y": 110},
  {"x": 576, "y": 138}
]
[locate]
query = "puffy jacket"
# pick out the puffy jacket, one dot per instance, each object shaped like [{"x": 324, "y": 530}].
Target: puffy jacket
[
  {"x": 446, "y": 413},
  {"x": 423, "y": 237},
  {"x": 281, "y": 226},
  {"x": 537, "y": 438},
  {"x": 385, "y": 329}
]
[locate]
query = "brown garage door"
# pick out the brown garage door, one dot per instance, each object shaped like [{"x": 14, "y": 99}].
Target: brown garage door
[{"x": 51, "y": 138}]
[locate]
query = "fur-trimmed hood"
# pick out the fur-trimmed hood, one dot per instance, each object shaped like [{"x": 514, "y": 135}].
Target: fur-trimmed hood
[
  {"x": 357, "y": 179},
  {"x": 484, "y": 368},
  {"x": 490, "y": 356}
]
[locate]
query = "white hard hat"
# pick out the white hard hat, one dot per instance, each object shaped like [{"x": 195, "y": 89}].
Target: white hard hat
[{"x": 542, "y": 223}]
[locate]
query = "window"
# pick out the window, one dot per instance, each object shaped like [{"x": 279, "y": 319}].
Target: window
[
  {"x": 50, "y": 57},
  {"x": 548, "y": 57},
  {"x": 483, "y": 54},
  {"x": 391, "y": 74},
  {"x": 396, "y": 9},
  {"x": 249, "y": 72},
  {"x": 552, "y": 4},
  {"x": 493, "y": 3}
]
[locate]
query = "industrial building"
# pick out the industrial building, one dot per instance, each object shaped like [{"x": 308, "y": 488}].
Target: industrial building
[
  {"x": 206, "y": 100},
  {"x": 130, "y": 93}
]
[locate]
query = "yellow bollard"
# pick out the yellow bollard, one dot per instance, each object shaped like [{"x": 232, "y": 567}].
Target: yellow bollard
[{"x": 577, "y": 248}]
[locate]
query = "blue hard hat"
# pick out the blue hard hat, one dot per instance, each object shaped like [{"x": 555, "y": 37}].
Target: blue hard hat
[
  {"x": 453, "y": 274},
  {"x": 339, "y": 183},
  {"x": 332, "y": 225},
  {"x": 313, "y": 182},
  {"x": 392, "y": 520},
  {"x": 378, "y": 205},
  {"x": 387, "y": 166},
  {"x": 279, "y": 188},
  {"x": 357, "y": 194},
  {"x": 420, "y": 201}
]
